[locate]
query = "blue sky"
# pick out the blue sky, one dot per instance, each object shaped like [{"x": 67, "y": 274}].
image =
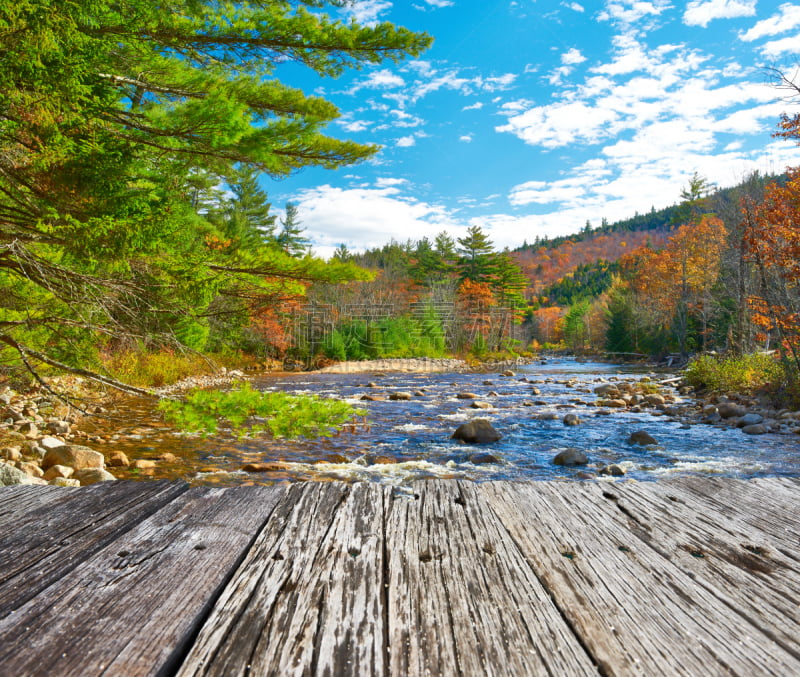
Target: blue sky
[{"x": 530, "y": 117}]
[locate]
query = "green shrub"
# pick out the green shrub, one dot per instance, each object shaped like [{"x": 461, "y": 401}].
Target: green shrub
[
  {"x": 246, "y": 410},
  {"x": 734, "y": 373}
]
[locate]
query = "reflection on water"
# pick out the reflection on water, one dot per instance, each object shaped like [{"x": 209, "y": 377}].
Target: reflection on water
[{"x": 409, "y": 440}]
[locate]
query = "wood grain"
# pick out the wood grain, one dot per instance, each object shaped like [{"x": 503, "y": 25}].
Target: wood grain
[
  {"x": 637, "y": 611},
  {"x": 133, "y": 607},
  {"x": 462, "y": 599},
  {"x": 307, "y": 600},
  {"x": 42, "y": 546}
]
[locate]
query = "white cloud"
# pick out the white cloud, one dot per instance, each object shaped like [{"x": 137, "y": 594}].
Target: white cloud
[
  {"x": 475, "y": 106},
  {"x": 777, "y": 48},
  {"x": 440, "y": 3},
  {"x": 572, "y": 56},
  {"x": 575, "y": 7},
  {"x": 354, "y": 125},
  {"x": 368, "y": 217},
  {"x": 368, "y": 11},
  {"x": 787, "y": 19},
  {"x": 632, "y": 11},
  {"x": 466, "y": 138},
  {"x": 702, "y": 12},
  {"x": 382, "y": 79},
  {"x": 406, "y": 141}
]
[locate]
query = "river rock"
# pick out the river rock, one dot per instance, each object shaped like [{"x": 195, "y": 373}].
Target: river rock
[
  {"x": 570, "y": 457},
  {"x": 73, "y": 455},
  {"x": 749, "y": 419},
  {"x": 32, "y": 469},
  {"x": 654, "y": 399},
  {"x": 479, "y": 404},
  {"x": 11, "y": 453},
  {"x": 10, "y": 476},
  {"x": 29, "y": 429},
  {"x": 59, "y": 427},
  {"x": 118, "y": 459},
  {"x": 536, "y": 391},
  {"x": 466, "y": 396},
  {"x": 756, "y": 429},
  {"x": 613, "y": 404},
  {"x": 58, "y": 471},
  {"x": 93, "y": 476},
  {"x": 167, "y": 457},
  {"x": 508, "y": 373},
  {"x": 64, "y": 482},
  {"x": 49, "y": 442},
  {"x": 143, "y": 464},
  {"x": 642, "y": 437},
  {"x": 613, "y": 469},
  {"x": 488, "y": 383},
  {"x": 373, "y": 398},
  {"x": 731, "y": 410},
  {"x": 483, "y": 459},
  {"x": 571, "y": 419},
  {"x": 607, "y": 390},
  {"x": 401, "y": 396},
  {"x": 479, "y": 431},
  {"x": 419, "y": 393},
  {"x": 546, "y": 416},
  {"x": 274, "y": 466}
]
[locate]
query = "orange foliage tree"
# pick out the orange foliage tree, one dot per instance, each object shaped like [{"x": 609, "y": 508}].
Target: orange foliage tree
[
  {"x": 772, "y": 238},
  {"x": 474, "y": 303},
  {"x": 676, "y": 283}
]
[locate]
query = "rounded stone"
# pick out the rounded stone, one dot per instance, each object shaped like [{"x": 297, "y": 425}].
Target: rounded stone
[
  {"x": 571, "y": 457},
  {"x": 93, "y": 476},
  {"x": 479, "y": 431},
  {"x": 641, "y": 437},
  {"x": 571, "y": 419}
]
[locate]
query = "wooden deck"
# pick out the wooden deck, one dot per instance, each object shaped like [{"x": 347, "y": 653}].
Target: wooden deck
[{"x": 684, "y": 577}]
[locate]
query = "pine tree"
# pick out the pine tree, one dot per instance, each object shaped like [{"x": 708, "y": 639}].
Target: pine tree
[
  {"x": 291, "y": 238},
  {"x": 476, "y": 256}
]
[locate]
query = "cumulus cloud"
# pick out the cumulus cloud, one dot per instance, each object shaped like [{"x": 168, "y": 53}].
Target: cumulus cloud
[
  {"x": 787, "y": 19},
  {"x": 368, "y": 11},
  {"x": 406, "y": 141},
  {"x": 777, "y": 48},
  {"x": 475, "y": 106},
  {"x": 368, "y": 216},
  {"x": 702, "y": 12},
  {"x": 632, "y": 11},
  {"x": 575, "y": 7},
  {"x": 466, "y": 138},
  {"x": 572, "y": 56}
]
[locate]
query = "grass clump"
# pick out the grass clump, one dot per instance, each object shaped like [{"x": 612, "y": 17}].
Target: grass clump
[
  {"x": 245, "y": 410},
  {"x": 743, "y": 373}
]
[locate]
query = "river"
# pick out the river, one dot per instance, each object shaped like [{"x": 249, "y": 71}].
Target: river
[{"x": 407, "y": 440}]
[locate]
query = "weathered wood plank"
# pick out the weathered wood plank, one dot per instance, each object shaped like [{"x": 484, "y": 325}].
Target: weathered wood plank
[
  {"x": 636, "y": 611},
  {"x": 17, "y": 500},
  {"x": 308, "y": 597},
  {"x": 134, "y": 606},
  {"x": 462, "y": 599},
  {"x": 732, "y": 560},
  {"x": 44, "y": 545},
  {"x": 768, "y": 505}
]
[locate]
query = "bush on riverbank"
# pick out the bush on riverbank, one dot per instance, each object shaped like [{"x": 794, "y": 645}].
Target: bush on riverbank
[
  {"x": 245, "y": 410},
  {"x": 743, "y": 373},
  {"x": 156, "y": 368}
]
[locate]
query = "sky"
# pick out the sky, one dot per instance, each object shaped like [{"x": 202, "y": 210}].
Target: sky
[{"x": 531, "y": 117}]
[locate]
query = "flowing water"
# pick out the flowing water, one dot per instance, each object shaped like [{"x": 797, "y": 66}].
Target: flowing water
[{"x": 407, "y": 440}]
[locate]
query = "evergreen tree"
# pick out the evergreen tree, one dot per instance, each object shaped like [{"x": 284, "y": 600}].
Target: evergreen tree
[
  {"x": 111, "y": 112},
  {"x": 247, "y": 219},
  {"x": 291, "y": 238},
  {"x": 476, "y": 256}
]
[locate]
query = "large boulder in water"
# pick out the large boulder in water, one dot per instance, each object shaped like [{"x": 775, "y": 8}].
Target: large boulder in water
[
  {"x": 571, "y": 457},
  {"x": 478, "y": 431},
  {"x": 642, "y": 438}
]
